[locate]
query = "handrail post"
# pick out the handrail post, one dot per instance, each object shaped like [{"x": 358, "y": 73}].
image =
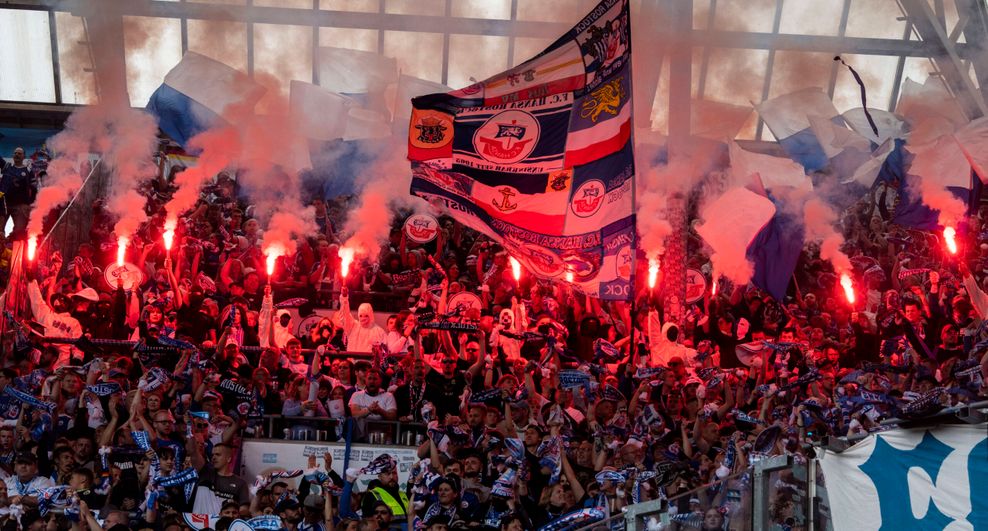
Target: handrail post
[{"x": 761, "y": 488}]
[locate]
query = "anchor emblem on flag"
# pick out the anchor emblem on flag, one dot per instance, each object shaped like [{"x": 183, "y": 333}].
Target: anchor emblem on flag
[{"x": 506, "y": 205}]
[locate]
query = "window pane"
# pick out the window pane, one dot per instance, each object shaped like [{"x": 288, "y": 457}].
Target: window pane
[
  {"x": 562, "y": 11},
  {"x": 418, "y": 54},
  {"x": 498, "y": 9},
  {"x": 352, "y": 38},
  {"x": 25, "y": 56},
  {"x": 476, "y": 56},
  {"x": 364, "y": 6},
  {"x": 798, "y": 70},
  {"x": 876, "y": 19},
  {"x": 152, "y": 46},
  {"x": 528, "y": 47},
  {"x": 296, "y": 4},
  {"x": 281, "y": 54},
  {"x": 228, "y": 2},
  {"x": 221, "y": 40},
  {"x": 745, "y": 15},
  {"x": 878, "y": 74},
  {"x": 75, "y": 61},
  {"x": 416, "y": 7},
  {"x": 811, "y": 17}
]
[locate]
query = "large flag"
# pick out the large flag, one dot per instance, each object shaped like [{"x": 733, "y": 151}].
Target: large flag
[
  {"x": 540, "y": 157},
  {"x": 917, "y": 479},
  {"x": 195, "y": 94},
  {"x": 787, "y": 116},
  {"x": 944, "y": 163}
]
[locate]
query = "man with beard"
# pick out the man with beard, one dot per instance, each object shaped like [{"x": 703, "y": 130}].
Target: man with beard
[
  {"x": 410, "y": 396},
  {"x": 385, "y": 490}
]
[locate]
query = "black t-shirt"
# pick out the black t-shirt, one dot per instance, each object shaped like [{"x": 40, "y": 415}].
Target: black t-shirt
[
  {"x": 444, "y": 393},
  {"x": 225, "y": 487}
]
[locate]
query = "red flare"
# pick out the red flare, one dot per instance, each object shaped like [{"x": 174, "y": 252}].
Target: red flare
[
  {"x": 848, "y": 285},
  {"x": 713, "y": 286},
  {"x": 32, "y": 247},
  {"x": 169, "y": 234},
  {"x": 653, "y": 272},
  {"x": 271, "y": 255},
  {"x": 346, "y": 258},
  {"x": 949, "y": 235},
  {"x": 515, "y": 268},
  {"x": 569, "y": 276},
  {"x": 122, "y": 250}
]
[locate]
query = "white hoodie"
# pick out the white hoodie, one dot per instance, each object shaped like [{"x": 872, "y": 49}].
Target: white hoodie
[{"x": 661, "y": 350}]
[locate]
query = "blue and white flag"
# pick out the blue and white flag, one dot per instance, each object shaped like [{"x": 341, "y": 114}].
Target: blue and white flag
[
  {"x": 540, "y": 157},
  {"x": 787, "y": 116},
  {"x": 914, "y": 479},
  {"x": 195, "y": 94}
]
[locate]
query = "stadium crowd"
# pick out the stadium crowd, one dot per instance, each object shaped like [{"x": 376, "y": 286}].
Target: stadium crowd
[{"x": 540, "y": 409}]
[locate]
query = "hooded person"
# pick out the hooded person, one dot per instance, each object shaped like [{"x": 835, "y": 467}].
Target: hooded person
[
  {"x": 663, "y": 340},
  {"x": 278, "y": 332},
  {"x": 509, "y": 320},
  {"x": 362, "y": 333},
  {"x": 57, "y": 320}
]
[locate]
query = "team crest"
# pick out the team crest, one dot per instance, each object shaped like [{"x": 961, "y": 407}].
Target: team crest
[
  {"x": 430, "y": 129},
  {"x": 559, "y": 180},
  {"x": 584, "y": 266},
  {"x": 623, "y": 263},
  {"x": 604, "y": 43},
  {"x": 507, "y": 137},
  {"x": 588, "y": 198},
  {"x": 605, "y": 99},
  {"x": 541, "y": 260}
]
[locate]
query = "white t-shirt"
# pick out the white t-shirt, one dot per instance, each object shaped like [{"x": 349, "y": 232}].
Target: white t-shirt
[
  {"x": 31, "y": 488},
  {"x": 383, "y": 398}
]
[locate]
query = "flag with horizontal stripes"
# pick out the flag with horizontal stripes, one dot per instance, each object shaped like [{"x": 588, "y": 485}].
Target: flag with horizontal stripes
[{"x": 540, "y": 157}]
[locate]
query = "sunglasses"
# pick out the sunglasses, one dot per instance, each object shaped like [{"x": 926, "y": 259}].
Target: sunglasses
[{"x": 449, "y": 362}]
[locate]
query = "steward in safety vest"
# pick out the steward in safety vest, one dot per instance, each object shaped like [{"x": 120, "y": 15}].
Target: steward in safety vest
[{"x": 385, "y": 489}]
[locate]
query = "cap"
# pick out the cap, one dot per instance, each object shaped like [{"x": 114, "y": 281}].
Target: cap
[
  {"x": 314, "y": 501},
  {"x": 89, "y": 294}
]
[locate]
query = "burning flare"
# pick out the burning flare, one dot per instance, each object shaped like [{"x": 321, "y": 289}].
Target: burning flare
[
  {"x": 949, "y": 235},
  {"x": 653, "y": 272},
  {"x": 271, "y": 255},
  {"x": 569, "y": 276},
  {"x": 848, "y": 285},
  {"x": 32, "y": 247},
  {"x": 713, "y": 286},
  {"x": 346, "y": 258},
  {"x": 515, "y": 268},
  {"x": 169, "y": 234},
  {"x": 122, "y": 242}
]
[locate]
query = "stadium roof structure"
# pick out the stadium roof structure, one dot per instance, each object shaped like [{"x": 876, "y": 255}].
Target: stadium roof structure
[{"x": 735, "y": 52}]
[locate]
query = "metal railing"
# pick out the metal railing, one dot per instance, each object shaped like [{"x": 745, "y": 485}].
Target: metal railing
[{"x": 323, "y": 429}]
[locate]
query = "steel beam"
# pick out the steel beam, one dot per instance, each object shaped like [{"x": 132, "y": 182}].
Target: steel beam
[
  {"x": 480, "y": 26},
  {"x": 946, "y": 56},
  {"x": 976, "y": 31}
]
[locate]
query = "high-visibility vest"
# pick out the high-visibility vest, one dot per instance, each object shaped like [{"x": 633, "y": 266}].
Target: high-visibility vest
[{"x": 397, "y": 507}]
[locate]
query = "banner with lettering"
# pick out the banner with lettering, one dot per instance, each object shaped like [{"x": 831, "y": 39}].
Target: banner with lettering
[
  {"x": 540, "y": 157},
  {"x": 920, "y": 479}
]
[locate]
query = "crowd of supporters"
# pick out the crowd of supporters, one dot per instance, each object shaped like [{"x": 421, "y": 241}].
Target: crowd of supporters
[{"x": 538, "y": 409}]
